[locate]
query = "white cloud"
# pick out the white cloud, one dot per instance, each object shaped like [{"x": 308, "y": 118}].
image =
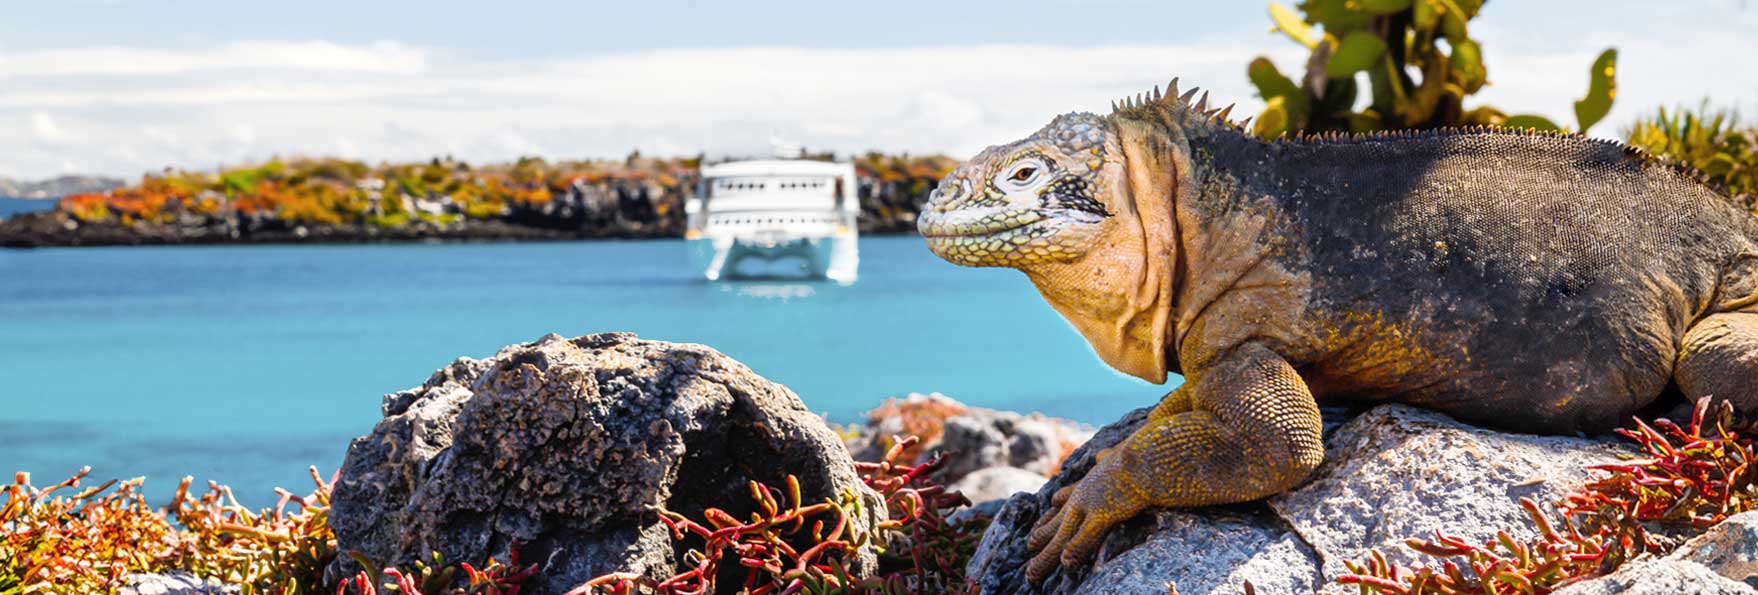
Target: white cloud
[
  {"x": 252, "y": 100},
  {"x": 44, "y": 125},
  {"x": 385, "y": 57},
  {"x": 243, "y": 133}
]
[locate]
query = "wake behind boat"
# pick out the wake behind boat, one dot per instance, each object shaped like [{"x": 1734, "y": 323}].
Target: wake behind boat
[{"x": 775, "y": 218}]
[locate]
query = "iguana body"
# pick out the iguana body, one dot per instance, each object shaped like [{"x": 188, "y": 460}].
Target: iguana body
[{"x": 1535, "y": 282}]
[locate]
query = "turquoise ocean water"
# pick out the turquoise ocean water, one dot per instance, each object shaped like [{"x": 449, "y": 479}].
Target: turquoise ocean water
[{"x": 246, "y": 364}]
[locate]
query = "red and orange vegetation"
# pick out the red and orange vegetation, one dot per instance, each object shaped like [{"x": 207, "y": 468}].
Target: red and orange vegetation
[
  {"x": 335, "y": 192},
  {"x": 1695, "y": 477},
  {"x": 90, "y": 541},
  {"x": 275, "y": 550},
  {"x": 65, "y": 539},
  {"x": 76, "y": 540},
  {"x": 440, "y": 577},
  {"x": 790, "y": 546}
]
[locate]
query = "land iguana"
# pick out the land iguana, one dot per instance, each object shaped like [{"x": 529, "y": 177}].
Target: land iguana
[{"x": 1534, "y": 282}]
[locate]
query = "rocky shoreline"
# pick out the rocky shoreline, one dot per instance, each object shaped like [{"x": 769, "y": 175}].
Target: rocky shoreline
[
  {"x": 588, "y": 456},
  {"x": 1392, "y": 473},
  {"x": 48, "y": 229},
  {"x": 341, "y": 202},
  {"x": 55, "y": 228}
]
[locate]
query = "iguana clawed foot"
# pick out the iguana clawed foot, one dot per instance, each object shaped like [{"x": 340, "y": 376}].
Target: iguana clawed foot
[
  {"x": 1242, "y": 429},
  {"x": 1079, "y": 516}
]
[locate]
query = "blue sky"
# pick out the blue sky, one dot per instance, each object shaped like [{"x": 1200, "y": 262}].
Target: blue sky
[{"x": 127, "y": 86}]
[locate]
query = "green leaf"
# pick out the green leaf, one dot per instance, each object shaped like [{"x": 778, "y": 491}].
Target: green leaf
[
  {"x": 1424, "y": 14},
  {"x": 1532, "y": 121},
  {"x": 1719, "y": 165},
  {"x": 1336, "y": 15},
  {"x": 1602, "y": 88},
  {"x": 1384, "y": 6},
  {"x": 1467, "y": 59},
  {"x": 1365, "y": 121},
  {"x": 1269, "y": 81},
  {"x": 1273, "y": 122},
  {"x": 1356, "y": 53},
  {"x": 1290, "y": 24},
  {"x": 1272, "y": 85},
  {"x": 1453, "y": 21}
]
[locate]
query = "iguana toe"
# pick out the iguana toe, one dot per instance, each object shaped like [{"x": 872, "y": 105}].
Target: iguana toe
[
  {"x": 1045, "y": 560},
  {"x": 1079, "y": 516}
]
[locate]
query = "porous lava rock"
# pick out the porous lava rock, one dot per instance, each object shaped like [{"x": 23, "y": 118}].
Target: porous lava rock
[{"x": 563, "y": 448}]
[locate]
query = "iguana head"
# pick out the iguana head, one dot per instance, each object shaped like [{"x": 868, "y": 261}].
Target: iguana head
[
  {"x": 1085, "y": 207},
  {"x": 1043, "y": 199}
]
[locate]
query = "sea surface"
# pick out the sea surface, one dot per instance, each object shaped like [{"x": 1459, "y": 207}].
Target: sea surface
[
  {"x": 13, "y": 206},
  {"x": 247, "y": 364}
]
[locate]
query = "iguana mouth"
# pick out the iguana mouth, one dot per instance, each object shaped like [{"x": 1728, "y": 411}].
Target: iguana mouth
[{"x": 969, "y": 223}]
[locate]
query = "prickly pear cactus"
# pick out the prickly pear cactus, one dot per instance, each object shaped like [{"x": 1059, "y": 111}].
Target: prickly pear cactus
[{"x": 1420, "y": 64}]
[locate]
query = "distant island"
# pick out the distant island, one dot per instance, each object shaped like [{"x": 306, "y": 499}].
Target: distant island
[
  {"x": 442, "y": 199},
  {"x": 57, "y": 186}
]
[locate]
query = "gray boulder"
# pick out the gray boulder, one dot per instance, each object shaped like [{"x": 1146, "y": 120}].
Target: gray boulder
[
  {"x": 974, "y": 438},
  {"x": 986, "y": 438},
  {"x": 1209, "y": 553},
  {"x": 1399, "y": 472},
  {"x": 564, "y": 446},
  {"x": 1391, "y": 473}
]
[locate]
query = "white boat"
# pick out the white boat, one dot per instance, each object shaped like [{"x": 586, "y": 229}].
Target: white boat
[{"x": 775, "y": 218}]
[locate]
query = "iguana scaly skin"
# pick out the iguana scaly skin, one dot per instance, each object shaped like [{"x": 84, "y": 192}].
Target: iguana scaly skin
[{"x": 1529, "y": 281}]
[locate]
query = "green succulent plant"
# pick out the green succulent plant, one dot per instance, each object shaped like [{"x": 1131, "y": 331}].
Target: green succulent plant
[
  {"x": 1712, "y": 140},
  {"x": 1420, "y": 64}
]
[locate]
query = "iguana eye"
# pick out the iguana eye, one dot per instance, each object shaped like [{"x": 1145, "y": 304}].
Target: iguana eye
[{"x": 1022, "y": 175}]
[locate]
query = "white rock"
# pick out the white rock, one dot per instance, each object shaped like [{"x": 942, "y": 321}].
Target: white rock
[
  {"x": 174, "y": 583},
  {"x": 996, "y": 483}
]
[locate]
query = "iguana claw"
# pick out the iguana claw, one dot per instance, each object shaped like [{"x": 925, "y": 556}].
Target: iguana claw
[{"x": 1080, "y": 514}]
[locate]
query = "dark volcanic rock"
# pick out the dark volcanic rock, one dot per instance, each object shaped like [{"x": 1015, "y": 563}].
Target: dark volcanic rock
[
  {"x": 56, "y": 228},
  {"x": 565, "y": 446}
]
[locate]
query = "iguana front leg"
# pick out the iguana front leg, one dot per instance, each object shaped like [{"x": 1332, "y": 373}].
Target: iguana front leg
[{"x": 1241, "y": 429}]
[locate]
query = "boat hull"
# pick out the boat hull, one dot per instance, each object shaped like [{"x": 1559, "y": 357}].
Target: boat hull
[{"x": 834, "y": 257}]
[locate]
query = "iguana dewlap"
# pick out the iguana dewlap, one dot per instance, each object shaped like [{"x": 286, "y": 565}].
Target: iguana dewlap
[{"x": 1528, "y": 281}]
